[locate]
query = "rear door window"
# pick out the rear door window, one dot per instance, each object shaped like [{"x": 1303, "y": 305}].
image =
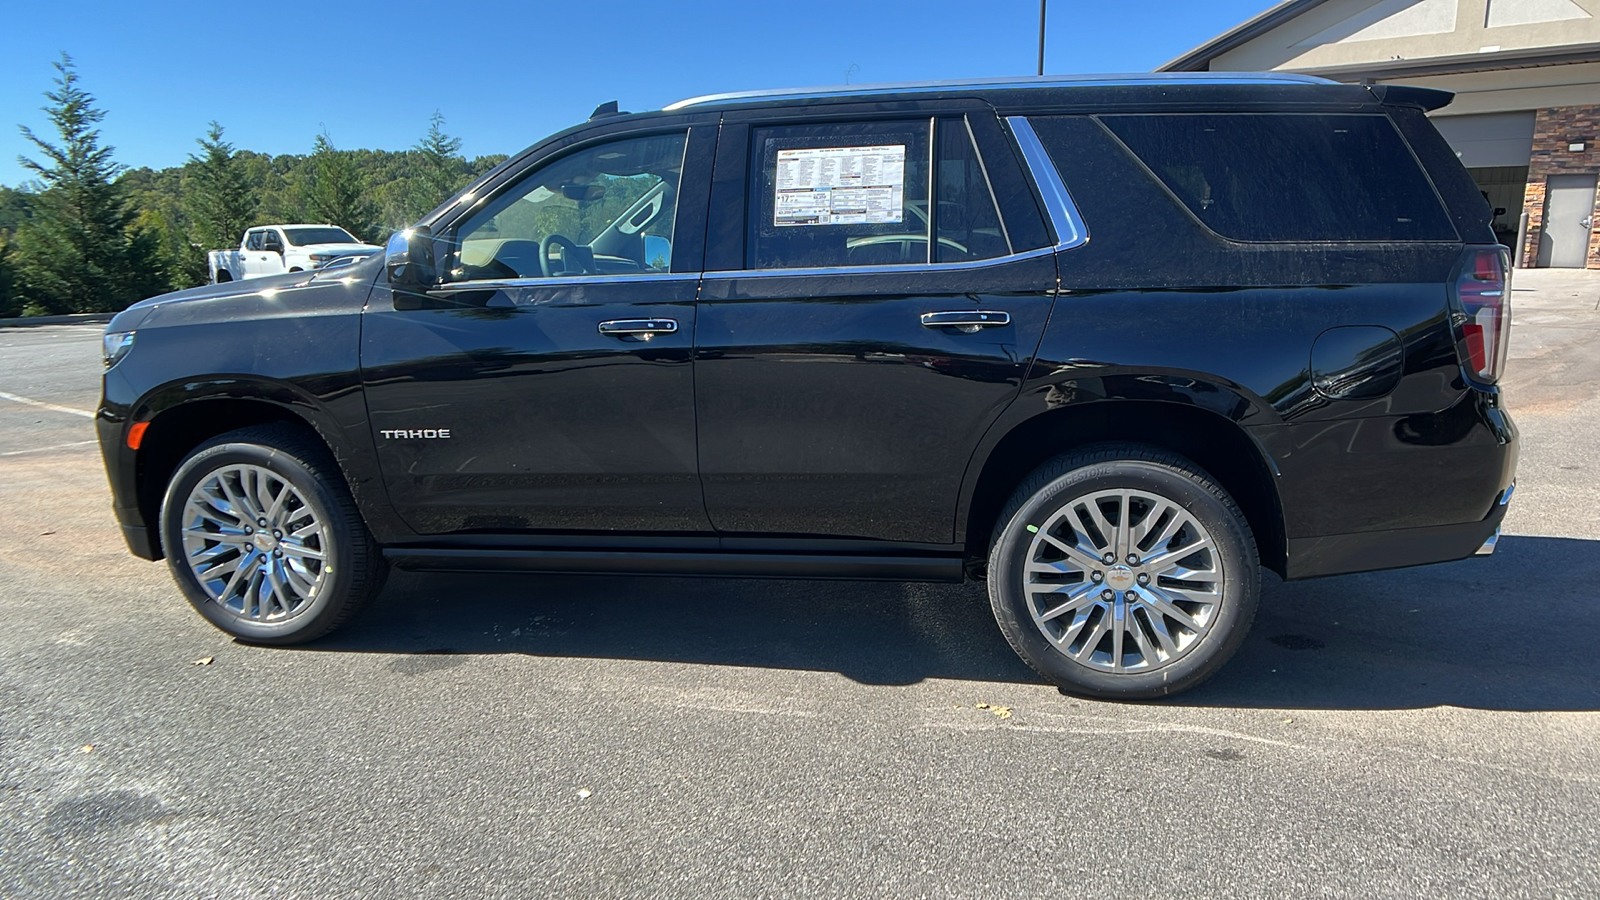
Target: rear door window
[
  {"x": 858, "y": 194},
  {"x": 1290, "y": 177},
  {"x": 966, "y": 217},
  {"x": 845, "y": 194}
]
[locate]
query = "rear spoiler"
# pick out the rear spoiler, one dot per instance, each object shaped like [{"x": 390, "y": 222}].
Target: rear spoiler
[{"x": 1425, "y": 99}]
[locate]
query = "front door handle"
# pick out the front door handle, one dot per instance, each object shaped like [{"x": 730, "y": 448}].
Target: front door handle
[
  {"x": 966, "y": 321},
  {"x": 638, "y": 329}
]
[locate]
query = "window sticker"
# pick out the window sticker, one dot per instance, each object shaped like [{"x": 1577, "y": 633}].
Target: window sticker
[{"x": 841, "y": 185}]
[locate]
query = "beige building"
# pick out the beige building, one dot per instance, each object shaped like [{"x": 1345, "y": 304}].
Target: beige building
[{"x": 1526, "y": 75}]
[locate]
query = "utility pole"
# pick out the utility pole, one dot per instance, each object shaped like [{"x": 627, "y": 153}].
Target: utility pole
[{"x": 1041, "y": 36}]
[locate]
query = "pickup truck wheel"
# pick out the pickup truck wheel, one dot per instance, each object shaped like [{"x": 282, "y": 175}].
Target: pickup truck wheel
[
  {"x": 1123, "y": 572},
  {"x": 264, "y": 539}
]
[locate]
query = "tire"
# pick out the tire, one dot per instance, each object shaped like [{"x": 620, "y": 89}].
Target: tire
[
  {"x": 327, "y": 566},
  {"x": 1049, "y": 581}
]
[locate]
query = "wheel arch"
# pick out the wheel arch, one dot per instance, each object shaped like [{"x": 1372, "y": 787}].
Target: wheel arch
[
  {"x": 178, "y": 424},
  {"x": 1217, "y": 444}
]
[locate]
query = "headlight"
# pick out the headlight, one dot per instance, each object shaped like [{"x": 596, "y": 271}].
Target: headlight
[{"x": 114, "y": 345}]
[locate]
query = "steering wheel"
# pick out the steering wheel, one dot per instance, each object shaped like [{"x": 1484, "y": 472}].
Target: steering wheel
[{"x": 568, "y": 251}]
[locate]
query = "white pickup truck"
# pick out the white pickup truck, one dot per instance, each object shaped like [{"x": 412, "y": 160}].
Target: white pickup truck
[{"x": 276, "y": 249}]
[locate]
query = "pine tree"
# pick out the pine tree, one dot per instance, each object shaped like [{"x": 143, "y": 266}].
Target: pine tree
[
  {"x": 75, "y": 253},
  {"x": 335, "y": 191},
  {"x": 442, "y": 171},
  {"x": 10, "y": 305},
  {"x": 218, "y": 197}
]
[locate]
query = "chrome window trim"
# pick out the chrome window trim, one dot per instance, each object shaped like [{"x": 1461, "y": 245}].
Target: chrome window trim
[
  {"x": 886, "y": 269},
  {"x": 1064, "y": 216},
  {"x": 923, "y": 87},
  {"x": 494, "y": 284}
]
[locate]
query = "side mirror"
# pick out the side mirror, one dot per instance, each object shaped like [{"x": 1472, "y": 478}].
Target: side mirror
[
  {"x": 409, "y": 259},
  {"x": 271, "y": 242}
]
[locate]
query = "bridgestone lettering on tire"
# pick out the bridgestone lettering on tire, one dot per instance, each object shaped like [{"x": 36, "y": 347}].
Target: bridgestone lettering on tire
[
  {"x": 263, "y": 537},
  {"x": 1123, "y": 572}
]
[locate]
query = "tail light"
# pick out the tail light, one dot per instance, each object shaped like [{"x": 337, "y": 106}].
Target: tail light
[{"x": 1484, "y": 293}]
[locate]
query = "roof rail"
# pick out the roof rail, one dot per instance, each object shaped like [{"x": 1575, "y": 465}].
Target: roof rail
[{"x": 1048, "y": 81}]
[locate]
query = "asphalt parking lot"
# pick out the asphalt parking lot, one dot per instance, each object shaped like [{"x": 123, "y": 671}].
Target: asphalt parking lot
[{"x": 1429, "y": 732}]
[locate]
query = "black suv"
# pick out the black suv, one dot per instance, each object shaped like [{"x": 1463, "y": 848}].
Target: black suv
[{"x": 1114, "y": 344}]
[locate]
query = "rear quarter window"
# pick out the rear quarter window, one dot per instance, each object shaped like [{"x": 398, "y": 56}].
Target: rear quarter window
[{"x": 1290, "y": 177}]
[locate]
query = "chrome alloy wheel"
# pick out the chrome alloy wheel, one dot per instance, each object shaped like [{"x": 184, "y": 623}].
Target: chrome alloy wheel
[
  {"x": 254, "y": 544},
  {"x": 1123, "y": 580}
]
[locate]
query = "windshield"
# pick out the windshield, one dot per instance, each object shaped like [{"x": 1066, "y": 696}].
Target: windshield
[{"x": 303, "y": 236}]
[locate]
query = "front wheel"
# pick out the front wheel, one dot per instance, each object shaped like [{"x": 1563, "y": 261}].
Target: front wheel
[
  {"x": 264, "y": 539},
  {"x": 1123, "y": 572}
]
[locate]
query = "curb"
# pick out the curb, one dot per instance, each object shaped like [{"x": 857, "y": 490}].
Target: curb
[{"x": 75, "y": 319}]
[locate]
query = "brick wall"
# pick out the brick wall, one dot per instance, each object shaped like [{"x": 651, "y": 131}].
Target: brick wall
[{"x": 1553, "y": 129}]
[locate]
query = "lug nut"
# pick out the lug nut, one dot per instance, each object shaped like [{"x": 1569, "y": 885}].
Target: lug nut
[
  {"x": 262, "y": 522},
  {"x": 276, "y": 533},
  {"x": 278, "y": 553},
  {"x": 1097, "y": 577},
  {"x": 1133, "y": 559},
  {"x": 1109, "y": 558},
  {"x": 1144, "y": 578},
  {"x": 1108, "y": 595},
  {"x": 249, "y": 530}
]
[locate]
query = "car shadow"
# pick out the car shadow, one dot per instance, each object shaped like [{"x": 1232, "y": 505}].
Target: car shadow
[{"x": 1514, "y": 631}]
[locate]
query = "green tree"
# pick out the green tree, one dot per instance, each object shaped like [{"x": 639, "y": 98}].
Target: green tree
[
  {"x": 334, "y": 191},
  {"x": 218, "y": 197},
  {"x": 10, "y": 304},
  {"x": 441, "y": 172},
  {"x": 76, "y": 253}
]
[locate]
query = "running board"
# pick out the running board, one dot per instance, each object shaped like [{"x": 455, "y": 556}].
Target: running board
[{"x": 716, "y": 565}]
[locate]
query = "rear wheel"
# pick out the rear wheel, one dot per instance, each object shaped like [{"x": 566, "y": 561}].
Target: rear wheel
[
  {"x": 264, "y": 539},
  {"x": 1123, "y": 572}
]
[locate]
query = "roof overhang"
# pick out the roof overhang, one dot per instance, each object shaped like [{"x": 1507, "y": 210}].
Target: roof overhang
[
  {"x": 1199, "y": 59},
  {"x": 1462, "y": 63}
]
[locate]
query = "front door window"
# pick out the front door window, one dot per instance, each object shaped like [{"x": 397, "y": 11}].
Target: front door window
[{"x": 605, "y": 210}]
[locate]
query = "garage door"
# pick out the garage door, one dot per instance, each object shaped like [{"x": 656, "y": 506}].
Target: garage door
[{"x": 1491, "y": 139}]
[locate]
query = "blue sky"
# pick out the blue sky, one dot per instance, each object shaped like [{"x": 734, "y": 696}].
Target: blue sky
[{"x": 506, "y": 73}]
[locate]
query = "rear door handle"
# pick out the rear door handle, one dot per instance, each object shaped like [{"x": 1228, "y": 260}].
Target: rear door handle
[
  {"x": 638, "y": 329},
  {"x": 967, "y": 321}
]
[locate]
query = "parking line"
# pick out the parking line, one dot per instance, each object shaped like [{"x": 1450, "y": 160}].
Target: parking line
[
  {"x": 47, "y": 449},
  {"x": 43, "y": 405}
]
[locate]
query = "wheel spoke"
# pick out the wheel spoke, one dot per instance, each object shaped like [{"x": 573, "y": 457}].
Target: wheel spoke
[
  {"x": 1074, "y": 600},
  {"x": 1158, "y": 626},
  {"x": 1093, "y": 640},
  {"x": 301, "y": 550},
  {"x": 1155, "y": 563},
  {"x": 1107, "y": 533},
  {"x": 237, "y": 505},
  {"x": 1161, "y": 603},
  {"x": 1146, "y": 649},
  {"x": 1119, "y": 628},
  {"x": 1158, "y": 508},
  {"x": 1179, "y": 573},
  {"x": 209, "y": 554},
  {"x": 1075, "y": 553},
  {"x": 1072, "y": 631}
]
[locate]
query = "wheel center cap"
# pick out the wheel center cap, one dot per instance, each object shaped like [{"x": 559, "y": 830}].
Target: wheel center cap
[
  {"x": 1120, "y": 577},
  {"x": 264, "y": 542}
]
